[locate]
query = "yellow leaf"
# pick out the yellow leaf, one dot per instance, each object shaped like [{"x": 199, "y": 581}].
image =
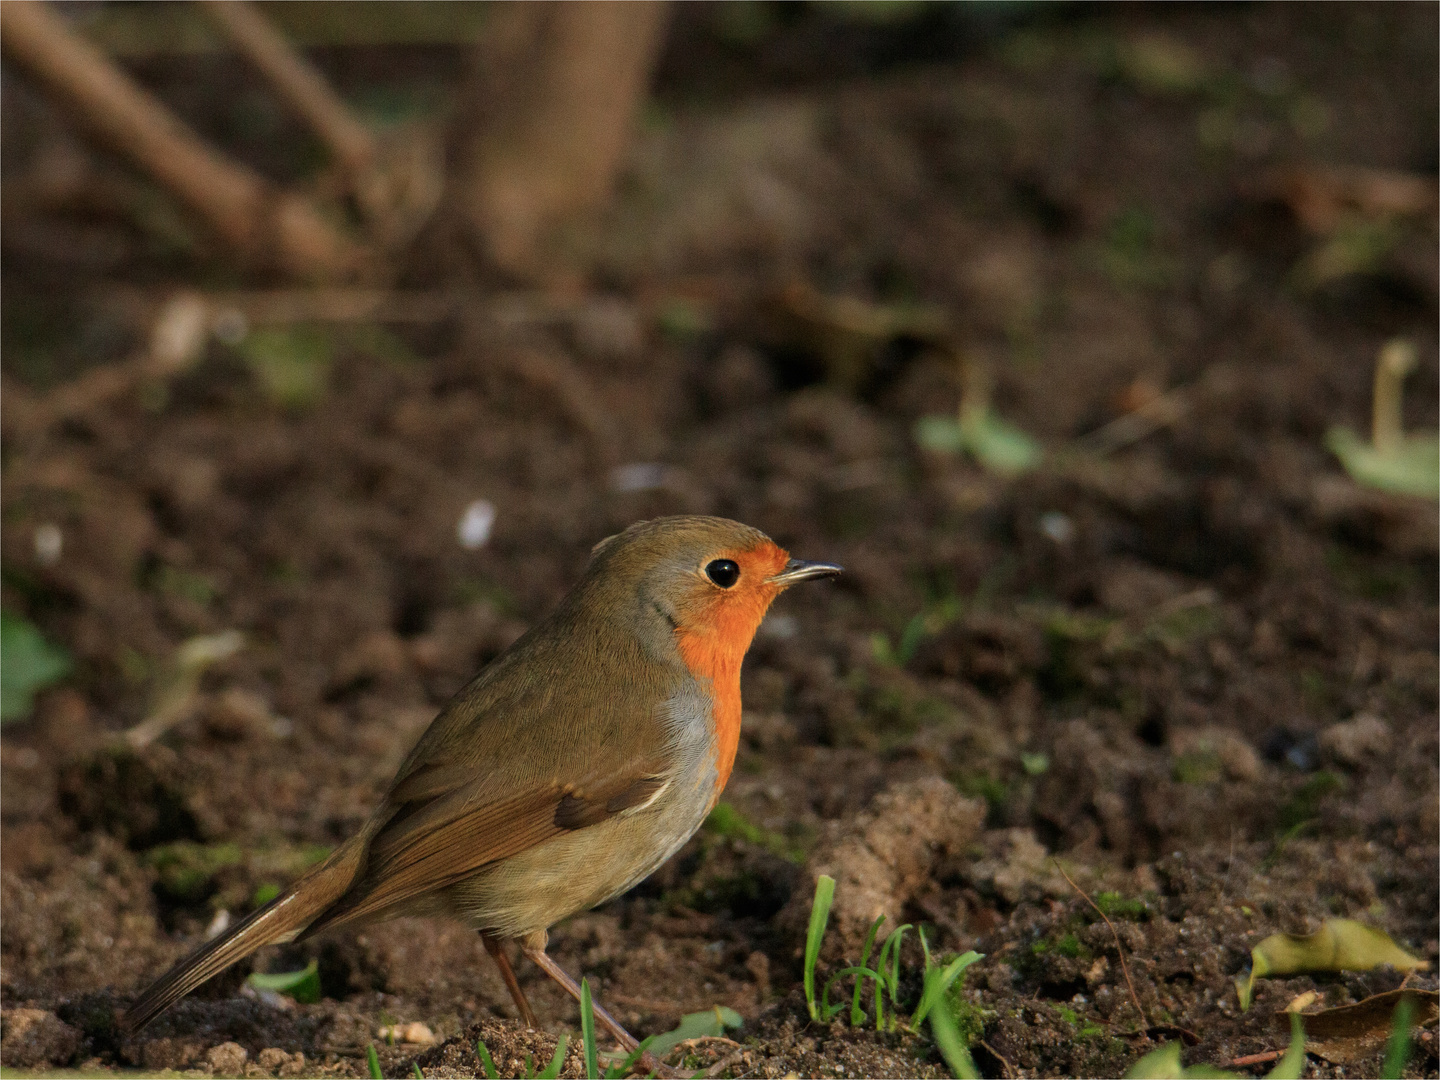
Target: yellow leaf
[{"x": 1339, "y": 945}]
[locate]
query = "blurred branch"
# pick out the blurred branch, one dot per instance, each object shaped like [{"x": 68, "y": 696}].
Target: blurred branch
[
  {"x": 396, "y": 181},
  {"x": 295, "y": 80},
  {"x": 176, "y": 340},
  {"x": 264, "y": 225},
  {"x": 549, "y": 112}
]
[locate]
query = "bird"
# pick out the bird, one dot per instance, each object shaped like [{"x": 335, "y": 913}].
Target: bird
[{"x": 568, "y": 770}]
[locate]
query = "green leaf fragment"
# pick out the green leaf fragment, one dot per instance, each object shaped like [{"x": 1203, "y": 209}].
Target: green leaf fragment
[
  {"x": 303, "y": 986},
  {"x": 998, "y": 446},
  {"x": 712, "y": 1021},
  {"x": 372, "y": 1062},
  {"x": 292, "y": 364},
  {"x": 1411, "y": 468},
  {"x": 1292, "y": 1065},
  {"x": 952, "y": 1047},
  {"x": 1164, "y": 1064},
  {"x": 28, "y": 663},
  {"x": 1339, "y": 945}
]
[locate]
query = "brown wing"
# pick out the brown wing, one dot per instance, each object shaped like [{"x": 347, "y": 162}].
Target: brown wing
[
  {"x": 537, "y": 745},
  {"x": 440, "y": 836}
]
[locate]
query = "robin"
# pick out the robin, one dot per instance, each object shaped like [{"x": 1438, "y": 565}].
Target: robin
[{"x": 568, "y": 770}]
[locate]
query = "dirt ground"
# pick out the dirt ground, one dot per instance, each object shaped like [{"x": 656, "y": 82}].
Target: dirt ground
[{"x": 1200, "y": 669}]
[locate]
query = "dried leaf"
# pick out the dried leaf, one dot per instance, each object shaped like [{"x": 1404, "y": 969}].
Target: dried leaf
[{"x": 1351, "y": 1032}]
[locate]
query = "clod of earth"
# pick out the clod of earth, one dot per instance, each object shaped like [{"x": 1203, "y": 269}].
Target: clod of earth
[{"x": 882, "y": 856}]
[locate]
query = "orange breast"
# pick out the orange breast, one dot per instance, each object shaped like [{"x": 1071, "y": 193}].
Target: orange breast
[{"x": 713, "y": 640}]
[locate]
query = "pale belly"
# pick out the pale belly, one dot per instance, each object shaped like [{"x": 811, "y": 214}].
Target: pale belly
[{"x": 537, "y": 888}]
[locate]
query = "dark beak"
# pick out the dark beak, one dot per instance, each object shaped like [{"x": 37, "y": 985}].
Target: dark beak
[{"x": 799, "y": 570}]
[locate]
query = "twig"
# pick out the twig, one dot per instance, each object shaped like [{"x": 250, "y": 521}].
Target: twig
[
  {"x": 397, "y": 180},
  {"x": 725, "y": 1063},
  {"x": 1135, "y": 425},
  {"x": 294, "y": 79},
  {"x": 1254, "y": 1059},
  {"x": 177, "y": 337},
  {"x": 1005, "y": 1065},
  {"x": 261, "y": 223},
  {"x": 281, "y": 306},
  {"x": 1119, "y": 948}
]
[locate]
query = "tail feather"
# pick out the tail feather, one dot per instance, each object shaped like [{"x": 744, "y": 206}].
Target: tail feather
[{"x": 280, "y": 920}]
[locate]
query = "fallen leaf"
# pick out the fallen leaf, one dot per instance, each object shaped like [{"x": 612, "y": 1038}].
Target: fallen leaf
[
  {"x": 1412, "y": 468},
  {"x": 28, "y": 663},
  {"x": 1339, "y": 945},
  {"x": 1351, "y": 1032},
  {"x": 696, "y": 1025},
  {"x": 1321, "y": 199},
  {"x": 1000, "y": 447}
]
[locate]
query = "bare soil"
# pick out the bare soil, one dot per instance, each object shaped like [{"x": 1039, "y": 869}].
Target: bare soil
[{"x": 1200, "y": 670}]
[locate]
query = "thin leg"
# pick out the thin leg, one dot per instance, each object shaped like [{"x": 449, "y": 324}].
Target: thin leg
[
  {"x": 533, "y": 946},
  {"x": 497, "y": 953}
]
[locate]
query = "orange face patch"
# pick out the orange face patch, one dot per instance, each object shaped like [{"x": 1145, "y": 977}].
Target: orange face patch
[{"x": 715, "y": 631}]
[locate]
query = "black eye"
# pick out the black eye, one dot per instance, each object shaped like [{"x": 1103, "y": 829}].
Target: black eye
[{"x": 723, "y": 572}]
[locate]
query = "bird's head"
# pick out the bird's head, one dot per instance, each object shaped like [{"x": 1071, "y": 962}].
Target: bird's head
[{"x": 707, "y": 581}]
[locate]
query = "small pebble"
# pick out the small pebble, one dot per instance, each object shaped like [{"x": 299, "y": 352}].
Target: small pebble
[
  {"x": 1057, "y": 527},
  {"x": 415, "y": 1033},
  {"x": 218, "y": 925},
  {"x": 476, "y": 524},
  {"x": 49, "y": 542},
  {"x": 638, "y": 476}
]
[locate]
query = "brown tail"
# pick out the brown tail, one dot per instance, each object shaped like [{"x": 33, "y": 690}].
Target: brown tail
[{"x": 279, "y": 920}]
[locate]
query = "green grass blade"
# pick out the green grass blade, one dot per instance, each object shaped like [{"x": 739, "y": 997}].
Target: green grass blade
[
  {"x": 828, "y": 1011},
  {"x": 1292, "y": 1065},
  {"x": 415, "y": 1069},
  {"x": 819, "y": 919},
  {"x": 619, "y": 1072},
  {"x": 303, "y": 986},
  {"x": 487, "y": 1063},
  {"x": 587, "y": 1031},
  {"x": 925, "y": 948},
  {"x": 551, "y": 1071},
  {"x": 856, "y": 1016},
  {"x": 937, "y": 982},
  {"x": 372, "y": 1062},
  {"x": 890, "y": 952},
  {"x": 1397, "y": 1050},
  {"x": 952, "y": 1047}
]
